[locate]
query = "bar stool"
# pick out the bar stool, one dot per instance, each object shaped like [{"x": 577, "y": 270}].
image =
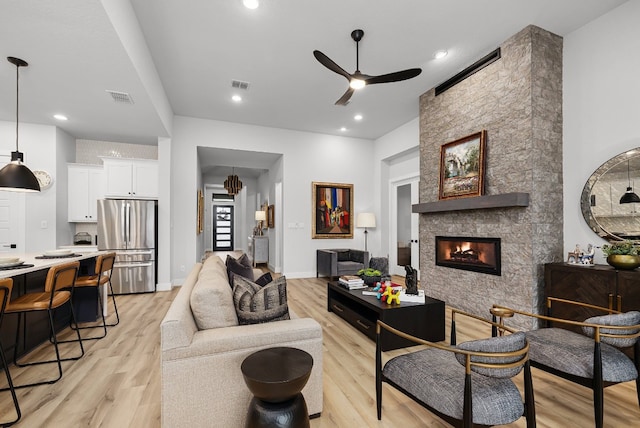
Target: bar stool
[
  {"x": 6, "y": 286},
  {"x": 104, "y": 267},
  {"x": 58, "y": 290}
]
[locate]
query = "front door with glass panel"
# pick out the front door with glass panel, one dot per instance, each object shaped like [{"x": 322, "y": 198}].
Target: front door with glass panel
[{"x": 222, "y": 227}]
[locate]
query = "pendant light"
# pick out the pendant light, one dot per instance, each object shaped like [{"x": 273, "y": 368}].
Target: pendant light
[
  {"x": 15, "y": 176},
  {"x": 232, "y": 184},
  {"x": 629, "y": 197}
]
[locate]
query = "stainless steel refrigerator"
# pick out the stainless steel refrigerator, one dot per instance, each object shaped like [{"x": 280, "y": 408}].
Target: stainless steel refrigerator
[{"x": 128, "y": 227}]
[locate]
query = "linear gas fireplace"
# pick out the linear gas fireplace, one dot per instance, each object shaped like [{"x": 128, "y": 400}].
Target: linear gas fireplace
[{"x": 474, "y": 254}]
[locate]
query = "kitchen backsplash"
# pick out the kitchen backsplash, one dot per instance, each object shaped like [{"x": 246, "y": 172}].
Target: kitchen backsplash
[{"x": 89, "y": 151}]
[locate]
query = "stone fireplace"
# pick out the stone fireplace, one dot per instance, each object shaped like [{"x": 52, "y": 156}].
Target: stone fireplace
[
  {"x": 469, "y": 253},
  {"x": 518, "y": 101}
]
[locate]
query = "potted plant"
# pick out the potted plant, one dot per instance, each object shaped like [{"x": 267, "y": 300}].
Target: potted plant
[
  {"x": 622, "y": 255},
  {"x": 370, "y": 276}
]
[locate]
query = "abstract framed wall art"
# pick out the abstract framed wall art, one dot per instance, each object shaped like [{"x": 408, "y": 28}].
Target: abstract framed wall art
[
  {"x": 332, "y": 207},
  {"x": 462, "y": 167}
]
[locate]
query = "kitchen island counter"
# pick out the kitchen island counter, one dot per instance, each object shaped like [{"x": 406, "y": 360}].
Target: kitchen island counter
[{"x": 39, "y": 264}]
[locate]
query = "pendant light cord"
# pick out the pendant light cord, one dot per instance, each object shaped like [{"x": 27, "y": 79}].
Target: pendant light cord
[
  {"x": 628, "y": 173},
  {"x": 17, "y": 103}
]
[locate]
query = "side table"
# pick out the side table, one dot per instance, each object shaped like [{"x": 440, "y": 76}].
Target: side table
[{"x": 275, "y": 377}]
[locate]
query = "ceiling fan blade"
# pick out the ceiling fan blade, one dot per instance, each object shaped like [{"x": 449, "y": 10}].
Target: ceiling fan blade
[
  {"x": 344, "y": 99},
  {"x": 394, "y": 77},
  {"x": 327, "y": 62}
]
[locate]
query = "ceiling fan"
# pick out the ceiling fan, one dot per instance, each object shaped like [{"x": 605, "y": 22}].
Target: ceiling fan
[{"x": 358, "y": 80}]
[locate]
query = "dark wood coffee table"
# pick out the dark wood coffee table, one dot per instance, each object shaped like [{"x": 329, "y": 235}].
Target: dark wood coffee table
[
  {"x": 275, "y": 377},
  {"x": 423, "y": 320}
]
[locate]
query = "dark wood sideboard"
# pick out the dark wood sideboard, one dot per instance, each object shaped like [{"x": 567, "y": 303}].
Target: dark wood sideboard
[{"x": 600, "y": 285}]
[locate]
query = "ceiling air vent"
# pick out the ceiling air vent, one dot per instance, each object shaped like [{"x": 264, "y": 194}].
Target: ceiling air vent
[
  {"x": 120, "y": 97},
  {"x": 239, "y": 84}
]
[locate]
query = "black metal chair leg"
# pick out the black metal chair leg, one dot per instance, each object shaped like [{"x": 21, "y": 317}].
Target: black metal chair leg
[
  {"x": 103, "y": 326},
  {"x": 115, "y": 306},
  {"x": 12, "y": 389}
]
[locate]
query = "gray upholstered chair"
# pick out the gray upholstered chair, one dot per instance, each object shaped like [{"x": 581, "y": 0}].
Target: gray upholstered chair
[
  {"x": 381, "y": 264},
  {"x": 466, "y": 385},
  {"x": 336, "y": 262},
  {"x": 592, "y": 359}
]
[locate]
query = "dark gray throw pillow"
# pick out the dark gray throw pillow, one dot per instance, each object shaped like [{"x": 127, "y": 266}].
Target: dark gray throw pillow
[
  {"x": 234, "y": 268},
  {"x": 264, "y": 279},
  {"x": 256, "y": 304},
  {"x": 245, "y": 260}
]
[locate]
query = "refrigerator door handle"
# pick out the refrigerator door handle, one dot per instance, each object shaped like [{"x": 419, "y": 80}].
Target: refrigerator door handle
[
  {"x": 123, "y": 223},
  {"x": 131, "y": 265},
  {"x": 128, "y": 224}
]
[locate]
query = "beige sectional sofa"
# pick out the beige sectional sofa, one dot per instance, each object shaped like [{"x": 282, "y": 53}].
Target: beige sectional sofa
[{"x": 203, "y": 347}]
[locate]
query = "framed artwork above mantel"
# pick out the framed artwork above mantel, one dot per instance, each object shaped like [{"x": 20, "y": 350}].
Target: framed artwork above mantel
[{"x": 462, "y": 167}]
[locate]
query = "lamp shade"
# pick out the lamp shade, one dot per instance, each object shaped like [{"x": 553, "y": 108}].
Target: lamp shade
[
  {"x": 629, "y": 197},
  {"x": 16, "y": 177},
  {"x": 261, "y": 215},
  {"x": 366, "y": 220}
]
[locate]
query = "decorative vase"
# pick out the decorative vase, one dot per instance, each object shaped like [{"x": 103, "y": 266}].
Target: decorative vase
[
  {"x": 623, "y": 261},
  {"x": 370, "y": 280}
]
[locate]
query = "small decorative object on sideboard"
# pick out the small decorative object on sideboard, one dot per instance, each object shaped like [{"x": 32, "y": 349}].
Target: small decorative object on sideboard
[
  {"x": 622, "y": 255},
  {"x": 579, "y": 257}
]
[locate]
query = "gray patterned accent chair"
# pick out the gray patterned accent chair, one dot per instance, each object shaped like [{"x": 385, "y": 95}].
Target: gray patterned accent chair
[
  {"x": 337, "y": 262},
  {"x": 594, "y": 358},
  {"x": 465, "y": 385}
]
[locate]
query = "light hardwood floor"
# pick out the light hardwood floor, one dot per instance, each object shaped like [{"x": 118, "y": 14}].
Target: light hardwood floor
[{"x": 117, "y": 383}]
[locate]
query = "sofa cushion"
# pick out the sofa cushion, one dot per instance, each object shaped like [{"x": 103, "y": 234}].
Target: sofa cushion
[
  {"x": 343, "y": 255},
  {"x": 234, "y": 267},
  {"x": 264, "y": 279},
  {"x": 211, "y": 298},
  {"x": 624, "y": 319},
  {"x": 256, "y": 304}
]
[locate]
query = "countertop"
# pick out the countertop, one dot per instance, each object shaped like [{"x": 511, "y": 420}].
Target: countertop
[{"x": 39, "y": 264}]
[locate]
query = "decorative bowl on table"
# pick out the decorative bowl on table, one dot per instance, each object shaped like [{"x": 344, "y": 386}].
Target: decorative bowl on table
[
  {"x": 623, "y": 261},
  {"x": 57, "y": 253}
]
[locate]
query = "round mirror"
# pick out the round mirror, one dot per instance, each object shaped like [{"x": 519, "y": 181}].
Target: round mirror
[{"x": 600, "y": 201}]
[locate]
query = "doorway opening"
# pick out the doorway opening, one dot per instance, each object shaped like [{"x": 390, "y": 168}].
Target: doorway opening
[{"x": 223, "y": 220}]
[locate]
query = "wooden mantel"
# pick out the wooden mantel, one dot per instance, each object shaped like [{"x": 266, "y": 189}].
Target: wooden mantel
[{"x": 475, "y": 203}]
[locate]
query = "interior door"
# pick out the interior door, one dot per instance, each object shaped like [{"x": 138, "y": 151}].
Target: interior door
[
  {"x": 222, "y": 227},
  {"x": 404, "y": 225},
  {"x": 10, "y": 217}
]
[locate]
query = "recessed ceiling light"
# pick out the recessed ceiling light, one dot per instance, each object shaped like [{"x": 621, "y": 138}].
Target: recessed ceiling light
[
  {"x": 440, "y": 54},
  {"x": 357, "y": 117},
  {"x": 236, "y": 98},
  {"x": 251, "y": 4},
  {"x": 60, "y": 117},
  {"x": 343, "y": 129}
]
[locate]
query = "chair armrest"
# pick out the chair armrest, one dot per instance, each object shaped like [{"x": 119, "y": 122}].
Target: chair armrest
[
  {"x": 327, "y": 262},
  {"x": 220, "y": 341},
  {"x": 522, "y": 354},
  {"x": 598, "y": 328}
]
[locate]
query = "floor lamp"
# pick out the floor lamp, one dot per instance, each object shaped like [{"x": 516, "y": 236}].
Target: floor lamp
[{"x": 366, "y": 220}]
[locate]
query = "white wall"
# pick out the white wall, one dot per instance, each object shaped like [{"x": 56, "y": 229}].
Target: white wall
[
  {"x": 601, "y": 113},
  {"x": 65, "y": 153},
  {"x": 396, "y": 156},
  {"x": 307, "y": 157},
  {"x": 38, "y": 143}
]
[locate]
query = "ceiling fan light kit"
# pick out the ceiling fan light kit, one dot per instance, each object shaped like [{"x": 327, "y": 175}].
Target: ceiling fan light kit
[
  {"x": 15, "y": 176},
  {"x": 358, "y": 80}
]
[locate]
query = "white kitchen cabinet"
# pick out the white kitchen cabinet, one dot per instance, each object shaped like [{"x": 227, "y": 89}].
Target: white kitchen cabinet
[
  {"x": 131, "y": 178},
  {"x": 85, "y": 187}
]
